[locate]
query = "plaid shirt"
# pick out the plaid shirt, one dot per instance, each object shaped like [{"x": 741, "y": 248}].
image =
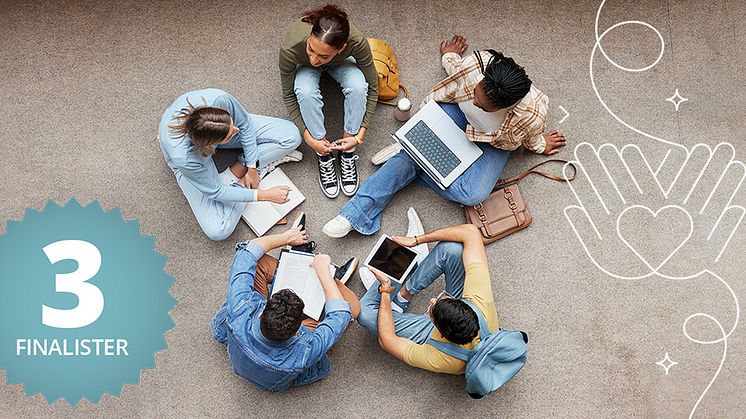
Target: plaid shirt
[{"x": 524, "y": 122}]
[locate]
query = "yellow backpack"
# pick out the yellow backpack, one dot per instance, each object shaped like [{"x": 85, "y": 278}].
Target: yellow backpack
[{"x": 388, "y": 72}]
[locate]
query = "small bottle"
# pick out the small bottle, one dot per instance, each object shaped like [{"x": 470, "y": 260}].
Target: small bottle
[{"x": 402, "y": 112}]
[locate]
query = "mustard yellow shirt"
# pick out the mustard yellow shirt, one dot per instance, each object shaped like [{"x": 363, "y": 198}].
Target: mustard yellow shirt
[{"x": 478, "y": 290}]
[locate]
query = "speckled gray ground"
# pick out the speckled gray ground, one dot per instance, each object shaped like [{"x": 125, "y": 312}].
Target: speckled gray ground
[{"x": 83, "y": 85}]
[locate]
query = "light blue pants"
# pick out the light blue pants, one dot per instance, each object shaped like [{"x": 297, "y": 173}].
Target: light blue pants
[
  {"x": 275, "y": 138},
  {"x": 446, "y": 259},
  {"x": 364, "y": 210},
  {"x": 308, "y": 94}
]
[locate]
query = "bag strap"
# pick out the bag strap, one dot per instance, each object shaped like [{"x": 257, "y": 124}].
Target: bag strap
[
  {"x": 403, "y": 88},
  {"x": 459, "y": 352},
  {"x": 484, "y": 329},
  {"x": 515, "y": 179},
  {"x": 451, "y": 349}
]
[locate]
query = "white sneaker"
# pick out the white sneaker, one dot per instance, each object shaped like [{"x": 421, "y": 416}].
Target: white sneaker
[
  {"x": 367, "y": 277},
  {"x": 386, "y": 153},
  {"x": 337, "y": 227},
  {"x": 415, "y": 229},
  {"x": 292, "y": 157}
]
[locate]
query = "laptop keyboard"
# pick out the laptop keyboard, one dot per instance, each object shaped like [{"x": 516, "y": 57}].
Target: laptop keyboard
[{"x": 433, "y": 149}]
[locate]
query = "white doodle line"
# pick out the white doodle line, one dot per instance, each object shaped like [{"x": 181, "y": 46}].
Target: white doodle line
[
  {"x": 567, "y": 114},
  {"x": 688, "y": 153}
]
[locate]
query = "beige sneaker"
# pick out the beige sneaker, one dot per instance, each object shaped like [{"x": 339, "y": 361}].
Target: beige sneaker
[{"x": 385, "y": 154}]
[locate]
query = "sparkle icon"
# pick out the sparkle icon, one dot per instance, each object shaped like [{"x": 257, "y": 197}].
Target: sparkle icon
[
  {"x": 677, "y": 100},
  {"x": 666, "y": 363}
]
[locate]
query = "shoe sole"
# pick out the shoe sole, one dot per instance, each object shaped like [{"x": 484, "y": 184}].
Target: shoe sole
[
  {"x": 418, "y": 221},
  {"x": 296, "y": 221},
  {"x": 384, "y": 155},
  {"x": 350, "y": 271}
]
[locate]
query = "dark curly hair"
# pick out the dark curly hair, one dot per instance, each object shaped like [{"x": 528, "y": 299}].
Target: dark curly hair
[
  {"x": 505, "y": 83},
  {"x": 282, "y": 316},
  {"x": 455, "y": 320},
  {"x": 330, "y": 25}
]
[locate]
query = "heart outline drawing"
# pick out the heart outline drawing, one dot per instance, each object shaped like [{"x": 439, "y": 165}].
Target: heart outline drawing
[{"x": 655, "y": 215}]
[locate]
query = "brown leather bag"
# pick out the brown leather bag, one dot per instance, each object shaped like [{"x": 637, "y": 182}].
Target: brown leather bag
[{"x": 504, "y": 212}]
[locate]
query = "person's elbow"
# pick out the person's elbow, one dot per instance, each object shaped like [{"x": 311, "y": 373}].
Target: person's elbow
[{"x": 470, "y": 231}]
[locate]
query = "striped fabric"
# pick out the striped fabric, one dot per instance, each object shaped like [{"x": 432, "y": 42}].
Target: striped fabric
[{"x": 525, "y": 121}]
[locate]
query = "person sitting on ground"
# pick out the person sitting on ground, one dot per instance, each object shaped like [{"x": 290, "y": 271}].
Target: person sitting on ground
[
  {"x": 269, "y": 342},
  {"x": 324, "y": 41},
  {"x": 461, "y": 256},
  {"x": 200, "y": 121},
  {"x": 488, "y": 96}
]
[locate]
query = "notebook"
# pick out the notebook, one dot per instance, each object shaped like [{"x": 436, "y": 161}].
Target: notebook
[
  {"x": 294, "y": 272},
  {"x": 261, "y": 216}
]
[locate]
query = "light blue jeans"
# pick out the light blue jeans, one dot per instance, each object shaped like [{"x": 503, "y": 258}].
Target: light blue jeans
[
  {"x": 446, "y": 259},
  {"x": 308, "y": 94},
  {"x": 364, "y": 210},
  {"x": 275, "y": 138}
]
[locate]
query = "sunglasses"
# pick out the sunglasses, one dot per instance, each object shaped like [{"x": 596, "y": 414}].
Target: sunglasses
[{"x": 442, "y": 296}]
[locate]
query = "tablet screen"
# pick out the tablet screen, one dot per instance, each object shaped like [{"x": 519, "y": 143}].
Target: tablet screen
[{"x": 392, "y": 258}]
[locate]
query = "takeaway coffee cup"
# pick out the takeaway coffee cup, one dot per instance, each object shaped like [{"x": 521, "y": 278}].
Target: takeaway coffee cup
[{"x": 403, "y": 109}]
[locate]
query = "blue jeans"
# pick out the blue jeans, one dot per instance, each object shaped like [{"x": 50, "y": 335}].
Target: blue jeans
[
  {"x": 308, "y": 94},
  {"x": 446, "y": 259},
  {"x": 275, "y": 138},
  {"x": 364, "y": 210}
]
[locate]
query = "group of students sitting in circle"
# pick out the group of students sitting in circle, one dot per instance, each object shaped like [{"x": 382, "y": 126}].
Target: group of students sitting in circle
[{"x": 270, "y": 342}]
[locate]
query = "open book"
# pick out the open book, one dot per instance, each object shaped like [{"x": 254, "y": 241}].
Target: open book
[
  {"x": 294, "y": 272},
  {"x": 261, "y": 216}
]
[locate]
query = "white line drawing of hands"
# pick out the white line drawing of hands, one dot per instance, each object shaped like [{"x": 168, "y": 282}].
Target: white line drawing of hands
[
  {"x": 706, "y": 186},
  {"x": 610, "y": 182}
]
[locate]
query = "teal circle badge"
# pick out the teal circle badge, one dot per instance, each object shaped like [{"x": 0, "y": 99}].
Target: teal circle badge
[{"x": 84, "y": 302}]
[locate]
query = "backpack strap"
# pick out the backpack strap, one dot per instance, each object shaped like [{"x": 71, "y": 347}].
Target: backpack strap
[
  {"x": 451, "y": 349},
  {"x": 459, "y": 352},
  {"x": 484, "y": 330}
]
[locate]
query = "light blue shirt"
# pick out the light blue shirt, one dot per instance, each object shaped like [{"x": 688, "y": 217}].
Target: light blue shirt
[{"x": 183, "y": 157}]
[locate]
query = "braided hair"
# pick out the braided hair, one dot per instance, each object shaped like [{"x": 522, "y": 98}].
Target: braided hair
[{"x": 505, "y": 83}]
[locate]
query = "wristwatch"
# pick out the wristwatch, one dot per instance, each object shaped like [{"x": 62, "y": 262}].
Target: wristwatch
[{"x": 382, "y": 290}]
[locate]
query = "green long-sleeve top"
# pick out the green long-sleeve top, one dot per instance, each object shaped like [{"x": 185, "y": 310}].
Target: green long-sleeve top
[{"x": 293, "y": 54}]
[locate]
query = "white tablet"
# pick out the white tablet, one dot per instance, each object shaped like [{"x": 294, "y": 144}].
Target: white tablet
[{"x": 391, "y": 258}]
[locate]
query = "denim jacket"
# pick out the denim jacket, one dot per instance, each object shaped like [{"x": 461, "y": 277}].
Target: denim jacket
[{"x": 269, "y": 365}]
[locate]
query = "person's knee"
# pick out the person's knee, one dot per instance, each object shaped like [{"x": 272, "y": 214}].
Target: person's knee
[
  {"x": 357, "y": 89},
  {"x": 451, "y": 248},
  {"x": 306, "y": 91},
  {"x": 290, "y": 136},
  {"x": 368, "y": 318},
  {"x": 216, "y": 232}
]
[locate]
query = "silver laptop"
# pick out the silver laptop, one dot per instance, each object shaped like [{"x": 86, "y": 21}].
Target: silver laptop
[{"x": 437, "y": 144}]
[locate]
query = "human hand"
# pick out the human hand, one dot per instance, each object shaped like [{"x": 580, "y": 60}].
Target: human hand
[
  {"x": 345, "y": 144},
  {"x": 251, "y": 179},
  {"x": 457, "y": 44},
  {"x": 405, "y": 241},
  {"x": 276, "y": 194},
  {"x": 554, "y": 141},
  {"x": 381, "y": 277},
  {"x": 321, "y": 264},
  {"x": 296, "y": 236}
]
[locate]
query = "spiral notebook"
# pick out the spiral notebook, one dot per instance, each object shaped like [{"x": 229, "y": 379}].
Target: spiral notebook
[{"x": 261, "y": 216}]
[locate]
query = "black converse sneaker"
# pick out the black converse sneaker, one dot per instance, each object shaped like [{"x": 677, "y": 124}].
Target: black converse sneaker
[
  {"x": 350, "y": 181},
  {"x": 328, "y": 176},
  {"x": 345, "y": 272},
  {"x": 300, "y": 219}
]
